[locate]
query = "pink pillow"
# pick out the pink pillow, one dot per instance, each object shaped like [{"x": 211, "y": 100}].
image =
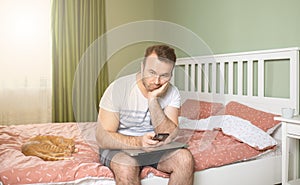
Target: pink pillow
[
  {"x": 195, "y": 109},
  {"x": 261, "y": 119}
]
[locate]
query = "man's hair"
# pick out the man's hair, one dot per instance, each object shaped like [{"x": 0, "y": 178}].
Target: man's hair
[{"x": 163, "y": 52}]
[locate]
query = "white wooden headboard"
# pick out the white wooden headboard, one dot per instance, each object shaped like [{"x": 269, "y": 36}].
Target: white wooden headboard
[{"x": 238, "y": 76}]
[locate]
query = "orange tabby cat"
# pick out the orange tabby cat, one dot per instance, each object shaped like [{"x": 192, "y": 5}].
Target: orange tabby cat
[{"x": 49, "y": 147}]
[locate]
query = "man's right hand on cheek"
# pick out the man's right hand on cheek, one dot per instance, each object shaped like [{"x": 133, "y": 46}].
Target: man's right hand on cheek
[{"x": 158, "y": 92}]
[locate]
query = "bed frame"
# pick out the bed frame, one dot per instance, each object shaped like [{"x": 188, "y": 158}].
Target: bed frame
[{"x": 226, "y": 77}]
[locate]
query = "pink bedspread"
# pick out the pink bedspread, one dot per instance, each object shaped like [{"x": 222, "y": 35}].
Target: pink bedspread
[
  {"x": 210, "y": 149},
  {"x": 214, "y": 149},
  {"x": 15, "y": 168}
]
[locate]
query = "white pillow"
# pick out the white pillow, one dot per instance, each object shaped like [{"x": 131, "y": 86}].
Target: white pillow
[{"x": 234, "y": 126}]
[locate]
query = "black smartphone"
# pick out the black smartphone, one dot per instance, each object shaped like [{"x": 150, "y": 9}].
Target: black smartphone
[{"x": 160, "y": 136}]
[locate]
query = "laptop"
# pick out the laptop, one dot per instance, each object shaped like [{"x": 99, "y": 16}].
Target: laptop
[{"x": 170, "y": 146}]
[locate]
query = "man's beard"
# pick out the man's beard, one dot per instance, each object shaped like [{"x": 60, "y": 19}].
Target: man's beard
[{"x": 150, "y": 87}]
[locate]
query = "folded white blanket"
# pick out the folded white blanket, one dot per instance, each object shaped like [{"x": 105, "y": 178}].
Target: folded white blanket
[{"x": 234, "y": 126}]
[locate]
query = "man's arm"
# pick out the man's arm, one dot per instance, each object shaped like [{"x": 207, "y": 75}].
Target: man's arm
[
  {"x": 108, "y": 137},
  {"x": 164, "y": 121}
]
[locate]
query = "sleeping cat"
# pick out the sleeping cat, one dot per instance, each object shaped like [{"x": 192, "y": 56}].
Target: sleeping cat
[{"x": 49, "y": 147}]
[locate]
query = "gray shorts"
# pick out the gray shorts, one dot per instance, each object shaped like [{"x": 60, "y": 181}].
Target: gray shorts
[{"x": 143, "y": 160}]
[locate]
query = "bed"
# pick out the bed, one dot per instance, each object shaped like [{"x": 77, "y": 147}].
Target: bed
[{"x": 230, "y": 88}]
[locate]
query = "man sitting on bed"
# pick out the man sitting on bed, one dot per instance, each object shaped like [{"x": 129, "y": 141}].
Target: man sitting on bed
[{"x": 134, "y": 108}]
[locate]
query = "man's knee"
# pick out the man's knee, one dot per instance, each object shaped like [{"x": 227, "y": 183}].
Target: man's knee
[
  {"x": 179, "y": 159},
  {"x": 183, "y": 160},
  {"x": 124, "y": 166},
  {"x": 185, "y": 157}
]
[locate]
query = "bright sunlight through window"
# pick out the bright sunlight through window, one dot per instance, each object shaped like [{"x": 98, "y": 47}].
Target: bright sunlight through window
[{"x": 25, "y": 43}]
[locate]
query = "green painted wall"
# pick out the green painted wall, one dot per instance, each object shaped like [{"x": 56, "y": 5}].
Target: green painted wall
[
  {"x": 120, "y": 12},
  {"x": 226, "y": 26},
  {"x": 236, "y": 25}
]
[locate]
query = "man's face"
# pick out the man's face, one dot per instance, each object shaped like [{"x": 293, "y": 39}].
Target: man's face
[{"x": 155, "y": 73}]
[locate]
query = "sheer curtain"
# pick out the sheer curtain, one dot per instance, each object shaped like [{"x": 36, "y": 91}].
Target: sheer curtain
[
  {"x": 78, "y": 59},
  {"x": 25, "y": 61}
]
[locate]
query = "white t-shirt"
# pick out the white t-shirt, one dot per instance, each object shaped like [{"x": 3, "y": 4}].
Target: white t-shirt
[{"x": 124, "y": 96}]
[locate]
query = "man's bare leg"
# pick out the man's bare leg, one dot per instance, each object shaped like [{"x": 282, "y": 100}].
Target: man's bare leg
[
  {"x": 180, "y": 165},
  {"x": 125, "y": 169}
]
